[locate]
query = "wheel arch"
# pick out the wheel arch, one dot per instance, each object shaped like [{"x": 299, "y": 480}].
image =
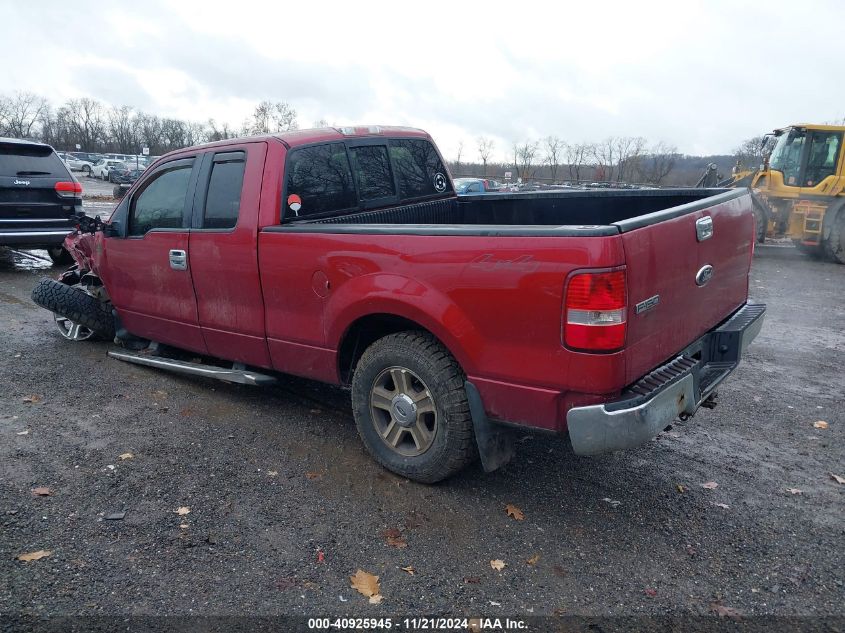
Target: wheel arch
[{"x": 831, "y": 213}]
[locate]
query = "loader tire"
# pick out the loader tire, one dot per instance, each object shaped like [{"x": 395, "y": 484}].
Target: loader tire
[
  {"x": 834, "y": 245},
  {"x": 76, "y": 305}
]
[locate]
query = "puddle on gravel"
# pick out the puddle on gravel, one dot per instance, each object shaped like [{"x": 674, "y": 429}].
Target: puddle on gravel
[{"x": 12, "y": 259}]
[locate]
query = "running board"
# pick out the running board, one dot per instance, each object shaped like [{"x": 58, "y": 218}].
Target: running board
[{"x": 241, "y": 376}]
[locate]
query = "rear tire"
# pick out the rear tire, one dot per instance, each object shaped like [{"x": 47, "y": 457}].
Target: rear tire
[
  {"x": 60, "y": 255},
  {"x": 437, "y": 439},
  {"x": 834, "y": 245},
  {"x": 86, "y": 169},
  {"x": 75, "y": 304}
]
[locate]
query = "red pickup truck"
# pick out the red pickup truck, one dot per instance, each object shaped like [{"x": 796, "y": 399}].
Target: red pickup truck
[{"x": 344, "y": 255}]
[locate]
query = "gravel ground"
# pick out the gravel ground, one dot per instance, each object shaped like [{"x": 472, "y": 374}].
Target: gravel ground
[{"x": 285, "y": 505}]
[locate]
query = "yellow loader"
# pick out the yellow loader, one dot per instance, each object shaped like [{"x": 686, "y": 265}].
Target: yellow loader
[{"x": 800, "y": 189}]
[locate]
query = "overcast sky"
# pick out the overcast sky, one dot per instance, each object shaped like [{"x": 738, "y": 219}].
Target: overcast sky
[{"x": 699, "y": 75}]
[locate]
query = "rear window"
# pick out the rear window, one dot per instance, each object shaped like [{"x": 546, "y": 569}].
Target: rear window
[
  {"x": 223, "y": 201},
  {"x": 419, "y": 168},
  {"x": 372, "y": 169},
  {"x": 319, "y": 180},
  {"x": 30, "y": 160}
]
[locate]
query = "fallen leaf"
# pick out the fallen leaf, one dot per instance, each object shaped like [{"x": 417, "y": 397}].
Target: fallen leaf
[
  {"x": 722, "y": 505},
  {"x": 533, "y": 560},
  {"x": 392, "y": 533},
  {"x": 376, "y": 599},
  {"x": 497, "y": 564},
  {"x": 366, "y": 584},
  {"x": 42, "y": 553},
  {"x": 513, "y": 511},
  {"x": 821, "y": 424},
  {"x": 710, "y": 485},
  {"x": 182, "y": 511},
  {"x": 126, "y": 456},
  {"x": 272, "y": 473},
  {"x": 23, "y": 432},
  {"x": 320, "y": 556},
  {"x": 398, "y": 543},
  {"x": 313, "y": 475},
  {"x": 651, "y": 593},
  {"x": 32, "y": 399},
  {"x": 681, "y": 488},
  {"x": 837, "y": 478},
  {"x": 794, "y": 491},
  {"x": 41, "y": 492},
  {"x": 723, "y": 611},
  {"x": 409, "y": 569}
]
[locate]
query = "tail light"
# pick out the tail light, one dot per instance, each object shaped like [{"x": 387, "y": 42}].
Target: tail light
[
  {"x": 594, "y": 315},
  {"x": 69, "y": 189}
]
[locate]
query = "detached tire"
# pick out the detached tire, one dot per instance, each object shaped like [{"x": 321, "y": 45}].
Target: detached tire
[
  {"x": 76, "y": 305},
  {"x": 834, "y": 245},
  {"x": 411, "y": 408}
]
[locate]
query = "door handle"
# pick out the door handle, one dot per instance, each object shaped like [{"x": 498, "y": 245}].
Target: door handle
[{"x": 178, "y": 259}]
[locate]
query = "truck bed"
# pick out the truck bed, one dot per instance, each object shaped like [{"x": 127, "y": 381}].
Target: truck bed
[{"x": 598, "y": 212}]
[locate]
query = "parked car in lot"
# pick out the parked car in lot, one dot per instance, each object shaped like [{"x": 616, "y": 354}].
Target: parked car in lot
[
  {"x": 76, "y": 164},
  {"x": 102, "y": 168},
  {"x": 90, "y": 157},
  {"x": 477, "y": 185},
  {"x": 344, "y": 255},
  {"x": 125, "y": 176},
  {"x": 38, "y": 198}
]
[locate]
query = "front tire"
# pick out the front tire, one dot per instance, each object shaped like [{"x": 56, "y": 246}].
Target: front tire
[
  {"x": 75, "y": 305},
  {"x": 411, "y": 408},
  {"x": 834, "y": 245},
  {"x": 86, "y": 170}
]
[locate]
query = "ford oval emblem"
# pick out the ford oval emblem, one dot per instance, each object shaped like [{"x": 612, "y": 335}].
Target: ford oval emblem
[{"x": 704, "y": 275}]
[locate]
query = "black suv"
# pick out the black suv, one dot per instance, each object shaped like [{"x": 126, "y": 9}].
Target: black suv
[{"x": 38, "y": 198}]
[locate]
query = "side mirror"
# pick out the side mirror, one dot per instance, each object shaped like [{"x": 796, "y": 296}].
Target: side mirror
[{"x": 112, "y": 229}]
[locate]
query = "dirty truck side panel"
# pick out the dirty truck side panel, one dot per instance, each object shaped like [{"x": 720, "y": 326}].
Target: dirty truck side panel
[
  {"x": 224, "y": 266},
  {"x": 495, "y": 303}
]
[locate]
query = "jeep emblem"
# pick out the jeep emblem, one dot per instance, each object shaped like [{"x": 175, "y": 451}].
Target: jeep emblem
[{"x": 704, "y": 275}]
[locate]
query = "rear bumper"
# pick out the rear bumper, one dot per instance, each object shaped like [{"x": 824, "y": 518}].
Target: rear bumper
[
  {"x": 678, "y": 387},
  {"x": 34, "y": 237}
]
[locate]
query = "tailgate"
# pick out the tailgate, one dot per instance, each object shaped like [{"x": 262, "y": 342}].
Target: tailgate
[{"x": 670, "y": 304}]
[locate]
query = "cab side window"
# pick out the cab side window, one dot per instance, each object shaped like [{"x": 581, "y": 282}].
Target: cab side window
[
  {"x": 319, "y": 181},
  {"x": 160, "y": 205},
  {"x": 420, "y": 170},
  {"x": 223, "y": 202}
]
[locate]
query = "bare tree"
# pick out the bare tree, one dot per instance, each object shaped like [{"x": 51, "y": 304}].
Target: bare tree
[
  {"x": 458, "y": 156},
  {"x": 270, "y": 118},
  {"x": 604, "y": 156},
  {"x": 485, "y": 148},
  {"x": 751, "y": 151},
  {"x": 525, "y": 154},
  {"x": 577, "y": 156},
  {"x": 86, "y": 122},
  {"x": 121, "y": 129},
  {"x": 553, "y": 147},
  {"x": 628, "y": 151},
  {"x": 658, "y": 163},
  {"x": 20, "y": 114}
]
